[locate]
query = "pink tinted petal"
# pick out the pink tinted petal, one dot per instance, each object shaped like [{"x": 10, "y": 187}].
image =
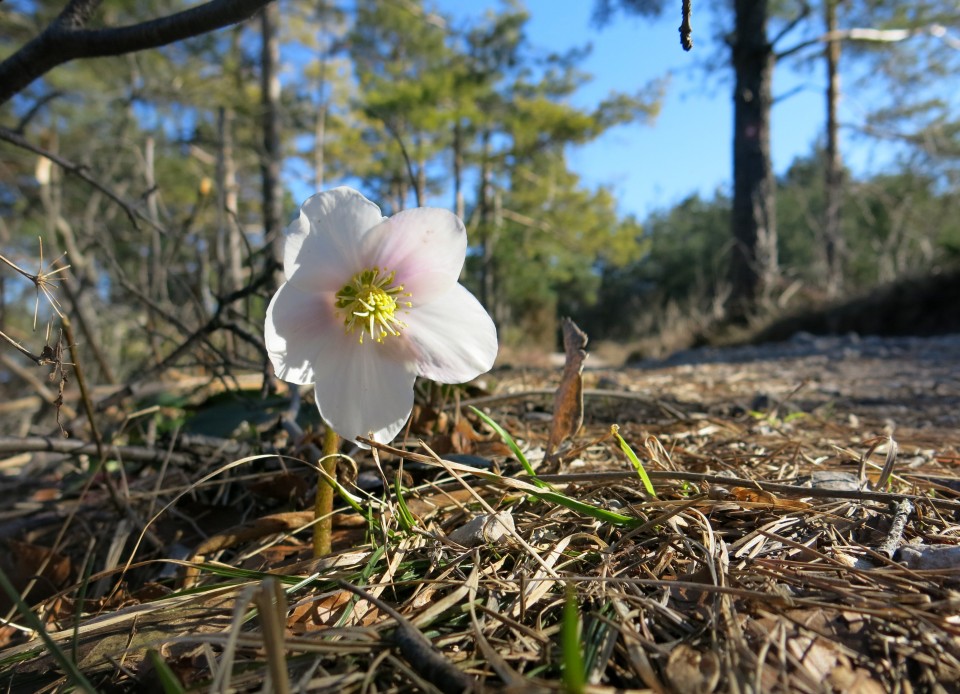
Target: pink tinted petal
[
  {"x": 321, "y": 247},
  {"x": 425, "y": 246},
  {"x": 298, "y": 330},
  {"x": 453, "y": 340},
  {"x": 361, "y": 390}
]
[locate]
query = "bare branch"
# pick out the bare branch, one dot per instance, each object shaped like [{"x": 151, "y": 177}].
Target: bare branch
[
  {"x": 792, "y": 24},
  {"x": 37, "y": 359},
  {"x": 65, "y": 38},
  {"x": 937, "y": 31},
  {"x": 75, "y": 169}
]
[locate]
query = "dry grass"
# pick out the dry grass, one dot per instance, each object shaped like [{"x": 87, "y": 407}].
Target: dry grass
[{"x": 739, "y": 576}]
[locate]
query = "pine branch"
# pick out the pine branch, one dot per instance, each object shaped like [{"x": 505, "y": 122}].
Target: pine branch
[{"x": 65, "y": 38}]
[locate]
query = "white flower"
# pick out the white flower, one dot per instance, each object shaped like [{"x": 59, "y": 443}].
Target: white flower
[{"x": 369, "y": 304}]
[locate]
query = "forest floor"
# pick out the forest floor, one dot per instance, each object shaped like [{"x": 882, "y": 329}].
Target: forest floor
[{"x": 804, "y": 536}]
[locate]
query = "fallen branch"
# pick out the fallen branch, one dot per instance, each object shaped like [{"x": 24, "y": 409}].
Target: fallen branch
[
  {"x": 49, "y": 444},
  {"x": 617, "y": 476},
  {"x": 418, "y": 650}
]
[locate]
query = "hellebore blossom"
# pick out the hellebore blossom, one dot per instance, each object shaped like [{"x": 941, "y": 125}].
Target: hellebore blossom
[{"x": 370, "y": 303}]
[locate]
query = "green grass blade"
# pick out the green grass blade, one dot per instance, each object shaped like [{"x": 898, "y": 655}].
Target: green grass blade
[
  {"x": 81, "y": 601},
  {"x": 507, "y": 439},
  {"x": 407, "y": 521},
  {"x": 638, "y": 466},
  {"x": 588, "y": 509},
  {"x": 69, "y": 667},
  {"x": 574, "y": 675},
  {"x": 521, "y": 486},
  {"x": 168, "y": 680}
]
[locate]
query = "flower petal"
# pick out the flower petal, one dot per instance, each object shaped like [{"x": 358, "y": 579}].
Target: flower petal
[
  {"x": 425, "y": 246},
  {"x": 298, "y": 331},
  {"x": 452, "y": 338},
  {"x": 321, "y": 247},
  {"x": 361, "y": 390}
]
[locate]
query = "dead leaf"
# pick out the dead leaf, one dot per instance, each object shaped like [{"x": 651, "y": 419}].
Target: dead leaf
[
  {"x": 689, "y": 670},
  {"x": 313, "y": 614},
  {"x": 487, "y": 528},
  {"x": 23, "y": 562},
  {"x": 425, "y": 420},
  {"x": 758, "y": 496},
  {"x": 845, "y": 679},
  {"x": 282, "y": 486},
  {"x": 568, "y": 399},
  {"x": 755, "y": 496}
]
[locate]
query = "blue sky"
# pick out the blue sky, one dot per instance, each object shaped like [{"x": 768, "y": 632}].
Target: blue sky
[{"x": 689, "y": 147}]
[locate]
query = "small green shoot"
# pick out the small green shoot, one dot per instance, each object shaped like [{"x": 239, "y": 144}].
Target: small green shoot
[
  {"x": 638, "y": 466},
  {"x": 168, "y": 680},
  {"x": 507, "y": 439},
  {"x": 574, "y": 675},
  {"x": 406, "y": 518}
]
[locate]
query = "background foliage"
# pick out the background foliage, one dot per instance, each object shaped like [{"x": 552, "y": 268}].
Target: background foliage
[{"x": 411, "y": 108}]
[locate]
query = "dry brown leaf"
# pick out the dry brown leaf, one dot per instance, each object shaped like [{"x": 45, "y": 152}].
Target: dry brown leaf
[
  {"x": 311, "y": 615},
  {"x": 845, "y": 679},
  {"x": 23, "y": 562},
  {"x": 568, "y": 400},
  {"x": 757, "y": 496},
  {"x": 689, "y": 670},
  {"x": 282, "y": 486}
]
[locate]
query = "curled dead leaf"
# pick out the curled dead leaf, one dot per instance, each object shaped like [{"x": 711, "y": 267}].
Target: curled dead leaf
[{"x": 568, "y": 399}]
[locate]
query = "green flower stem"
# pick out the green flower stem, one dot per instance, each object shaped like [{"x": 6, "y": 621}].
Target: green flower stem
[{"x": 323, "y": 508}]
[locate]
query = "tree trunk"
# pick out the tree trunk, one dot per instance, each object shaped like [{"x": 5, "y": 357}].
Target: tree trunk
[
  {"x": 421, "y": 189},
  {"x": 319, "y": 146},
  {"x": 323, "y": 103},
  {"x": 458, "y": 202},
  {"x": 753, "y": 268},
  {"x": 270, "y": 159},
  {"x": 833, "y": 242},
  {"x": 158, "y": 275},
  {"x": 486, "y": 225},
  {"x": 229, "y": 238}
]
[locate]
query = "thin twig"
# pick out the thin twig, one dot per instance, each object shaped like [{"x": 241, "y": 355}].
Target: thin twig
[
  {"x": 35, "y": 444},
  {"x": 897, "y": 526},
  {"x": 77, "y": 170},
  {"x": 618, "y": 476},
  {"x": 37, "y": 359},
  {"x": 417, "y": 649}
]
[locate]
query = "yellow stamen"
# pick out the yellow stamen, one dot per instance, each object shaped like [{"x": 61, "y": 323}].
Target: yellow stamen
[{"x": 370, "y": 302}]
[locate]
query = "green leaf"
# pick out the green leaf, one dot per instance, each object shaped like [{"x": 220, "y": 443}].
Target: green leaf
[
  {"x": 638, "y": 466},
  {"x": 507, "y": 439},
  {"x": 588, "y": 509}
]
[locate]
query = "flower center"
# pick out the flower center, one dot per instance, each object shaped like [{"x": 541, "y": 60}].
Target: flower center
[{"x": 369, "y": 303}]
